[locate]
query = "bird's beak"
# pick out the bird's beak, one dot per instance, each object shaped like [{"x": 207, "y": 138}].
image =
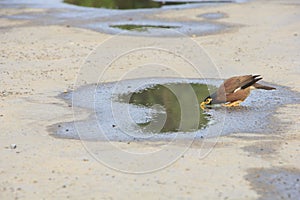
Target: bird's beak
[{"x": 203, "y": 105}]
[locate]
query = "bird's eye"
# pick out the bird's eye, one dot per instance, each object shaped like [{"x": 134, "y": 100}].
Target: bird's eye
[{"x": 208, "y": 100}]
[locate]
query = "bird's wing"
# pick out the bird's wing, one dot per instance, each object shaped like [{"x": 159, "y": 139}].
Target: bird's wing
[
  {"x": 238, "y": 82},
  {"x": 233, "y": 85}
]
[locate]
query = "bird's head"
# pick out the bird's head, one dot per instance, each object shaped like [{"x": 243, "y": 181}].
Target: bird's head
[{"x": 207, "y": 101}]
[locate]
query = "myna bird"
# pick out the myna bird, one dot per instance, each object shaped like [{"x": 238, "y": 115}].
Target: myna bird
[{"x": 234, "y": 91}]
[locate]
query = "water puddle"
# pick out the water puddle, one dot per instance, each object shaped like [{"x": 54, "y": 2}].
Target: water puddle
[
  {"x": 121, "y": 4},
  {"x": 169, "y": 106},
  {"x": 127, "y": 17},
  {"x": 147, "y": 109},
  {"x": 154, "y": 28},
  {"x": 141, "y": 27}
]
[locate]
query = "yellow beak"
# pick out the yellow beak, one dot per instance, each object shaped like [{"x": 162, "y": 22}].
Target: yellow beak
[{"x": 202, "y": 105}]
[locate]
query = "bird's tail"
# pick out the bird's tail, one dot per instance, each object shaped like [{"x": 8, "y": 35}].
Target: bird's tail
[{"x": 259, "y": 86}]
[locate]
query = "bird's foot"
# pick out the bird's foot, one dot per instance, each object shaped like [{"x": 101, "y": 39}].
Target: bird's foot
[{"x": 233, "y": 104}]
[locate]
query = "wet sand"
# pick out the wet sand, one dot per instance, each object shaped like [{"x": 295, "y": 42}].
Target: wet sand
[{"x": 39, "y": 62}]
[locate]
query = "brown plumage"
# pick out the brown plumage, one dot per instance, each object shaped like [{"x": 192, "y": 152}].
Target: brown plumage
[{"x": 234, "y": 90}]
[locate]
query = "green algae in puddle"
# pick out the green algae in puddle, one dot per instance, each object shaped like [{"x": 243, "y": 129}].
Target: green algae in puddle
[
  {"x": 141, "y": 27},
  {"x": 122, "y": 4},
  {"x": 162, "y": 95}
]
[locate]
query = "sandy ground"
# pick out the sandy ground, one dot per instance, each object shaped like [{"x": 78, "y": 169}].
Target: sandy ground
[{"x": 40, "y": 62}]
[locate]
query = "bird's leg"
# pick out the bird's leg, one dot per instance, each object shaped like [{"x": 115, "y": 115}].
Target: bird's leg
[{"x": 233, "y": 104}]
